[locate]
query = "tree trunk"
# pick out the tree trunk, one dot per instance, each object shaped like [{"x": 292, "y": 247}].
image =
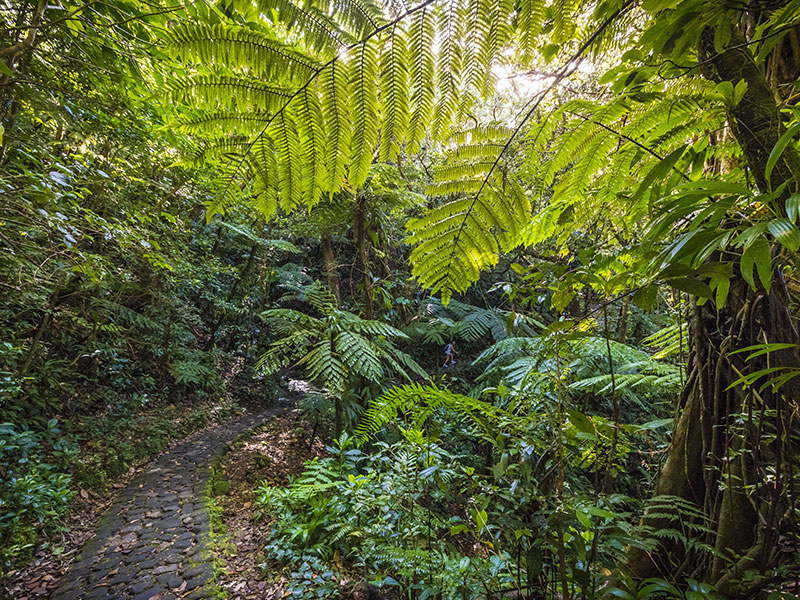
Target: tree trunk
[
  {"x": 622, "y": 324},
  {"x": 721, "y": 452},
  {"x": 17, "y": 58},
  {"x": 331, "y": 268},
  {"x": 362, "y": 251}
]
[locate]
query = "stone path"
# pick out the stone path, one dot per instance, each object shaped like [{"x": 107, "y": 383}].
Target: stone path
[{"x": 154, "y": 539}]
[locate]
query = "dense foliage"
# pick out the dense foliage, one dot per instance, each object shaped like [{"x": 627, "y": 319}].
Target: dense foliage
[{"x": 595, "y": 203}]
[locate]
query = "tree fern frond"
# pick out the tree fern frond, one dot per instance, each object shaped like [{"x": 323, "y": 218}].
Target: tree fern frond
[
  {"x": 456, "y": 171},
  {"x": 325, "y": 365},
  {"x": 284, "y": 352},
  {"x": 364, "y": 109},
  {"x": 449, "y": 67},
  {"x": 530, "y": 19},
  {"x": 266, "y": 182},
  {"x": 320, "y": 32},
  {"x": 420, "y": 41},
  {"x": 245, "y": 93},
  {"x": 564, "y": 22},
  {"x": 223, "y": 122},
  {"x": 311, "y": 131},
  {"x": 283, "y": 130},
  {"x": 483, "y": 133},
  {"x": 218, "y": 148},
  {"x": 494, "y": 26},
  {"x": 361, "y": 17},
  {"x": 580, "y": 133},
  {"x": 473, "y": 152},
  {"x": 394, "y": 95},
  {"x": 458, "y": 240},
  {"x": 320, "y": 298},
  {"x": 241, "y": 49},
  {"x": 359, "y": 355},
  {"x": 287, "y": 320},
  {"x": 333, "y": 83},
  {"x": 417, "y": 402}
]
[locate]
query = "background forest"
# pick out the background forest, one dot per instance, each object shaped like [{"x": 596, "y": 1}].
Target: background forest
[{"x": 595, "y": 202}]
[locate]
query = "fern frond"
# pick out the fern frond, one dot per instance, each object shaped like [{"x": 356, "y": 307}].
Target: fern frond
[
  {"x": 358, "y": 354},
  {"x": 361, "y": 17},
  {"x": 494, "y": 31},
  {"x": 245, "y": 93},
  {"x": 364, "y": 108},
  {"x": 324, "y": 364},
  {"x": 420, "y": 42},
  {"x": 333, "y": 83},
  {"x": 224, "y": 122},
  {"x": 283, "y": 130},
  {"x": 530, "y": 19},
  {"x": 218, "y": 149},
  {"x": 417, "y": 402},
  {"x": 449, "y": 67},
  {"x": 284, "y": 352},
  {"x": 287, "y": 320},
  {"x": 321, "y": 298},
  {"x": 458, "y": 240},
  {"x": 320, "y": 32},
  {"x": 394, "y": 95},
  {"x": 311, "y": 131},
  {"x": 564, "y": 21},
  {"x": 241, "y": 49}
]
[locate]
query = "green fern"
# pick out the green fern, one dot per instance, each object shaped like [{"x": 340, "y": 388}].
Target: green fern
[
  {"x": 416, "y": 403},
  {"x": 334, "y": 346}
]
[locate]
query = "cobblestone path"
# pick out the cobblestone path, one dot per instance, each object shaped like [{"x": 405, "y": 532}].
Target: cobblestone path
[{"x": 154, "y": 539}]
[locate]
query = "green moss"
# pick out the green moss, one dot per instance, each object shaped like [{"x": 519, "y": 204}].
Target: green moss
[{"x": 220, "y": 487}]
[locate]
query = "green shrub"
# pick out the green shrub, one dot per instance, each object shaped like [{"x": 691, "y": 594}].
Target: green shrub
[{"x": 34, "y": 487}]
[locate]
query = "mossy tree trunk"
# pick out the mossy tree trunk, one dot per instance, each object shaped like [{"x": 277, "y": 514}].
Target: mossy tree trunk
[
  {"x": 731, "y": 450},
  {"x": 361, "y": 242},
  {"x": 331, "y": 268}
]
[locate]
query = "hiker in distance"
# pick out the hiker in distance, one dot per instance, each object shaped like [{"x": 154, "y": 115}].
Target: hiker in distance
[{"x": 449, "y": 354}]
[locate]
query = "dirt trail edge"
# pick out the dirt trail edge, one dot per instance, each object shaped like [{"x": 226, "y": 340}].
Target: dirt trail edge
[{"x": 154, "y": 540}]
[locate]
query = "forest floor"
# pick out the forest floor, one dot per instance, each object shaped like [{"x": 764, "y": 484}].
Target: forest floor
[
  {"x": 167, "y": 528},
  {"x": 276, "y": 451},
  {"x": 151, "y": 525}
]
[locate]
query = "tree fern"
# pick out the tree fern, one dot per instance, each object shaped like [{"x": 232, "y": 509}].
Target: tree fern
[{"x": 335, "y": 345}]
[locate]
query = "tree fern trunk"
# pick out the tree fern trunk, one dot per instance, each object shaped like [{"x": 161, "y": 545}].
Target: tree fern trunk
[
  {"x": 362, "y": 250},
  {"x": 331, "y": 268}
]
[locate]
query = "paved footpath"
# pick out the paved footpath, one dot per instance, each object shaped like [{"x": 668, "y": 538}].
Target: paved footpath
[{"x": 154, "y": 539}]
